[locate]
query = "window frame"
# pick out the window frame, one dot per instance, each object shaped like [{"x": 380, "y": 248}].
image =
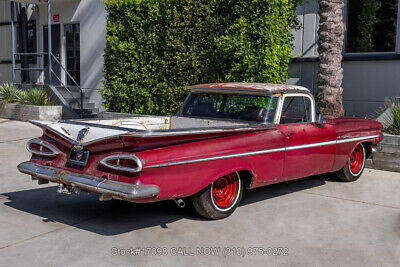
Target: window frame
[
  {"x": 64, "y": 53},
  {"x": 31, "y": 59},
  {"x": 345, "y": 28},
  {"x": 280, "y": 107},
  {"x": 188, "y": 101}
]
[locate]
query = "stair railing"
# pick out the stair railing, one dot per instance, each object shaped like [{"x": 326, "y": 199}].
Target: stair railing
[{"x": 80, "y": 103}]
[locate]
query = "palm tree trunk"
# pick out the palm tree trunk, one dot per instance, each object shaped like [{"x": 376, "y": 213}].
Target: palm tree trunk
[{"x": 330, "y": 45}]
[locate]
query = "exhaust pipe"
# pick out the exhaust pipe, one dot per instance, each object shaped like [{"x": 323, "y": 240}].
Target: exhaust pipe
[
  {"x": 65, "y": 189},
  {"x": 181, "y": 203}
]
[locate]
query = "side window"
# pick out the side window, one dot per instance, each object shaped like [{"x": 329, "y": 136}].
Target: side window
[
  {"x": 307, "y": 104},
  {"x": 296, "y": 109}
]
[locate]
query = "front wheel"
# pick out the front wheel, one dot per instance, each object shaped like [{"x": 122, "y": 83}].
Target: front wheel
[
  {"x": 354, "y": 166},
  {"x": 221, "y": 198}
]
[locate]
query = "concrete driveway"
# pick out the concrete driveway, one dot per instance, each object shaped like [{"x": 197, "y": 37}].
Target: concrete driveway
[{"x": 318, "y": 221}]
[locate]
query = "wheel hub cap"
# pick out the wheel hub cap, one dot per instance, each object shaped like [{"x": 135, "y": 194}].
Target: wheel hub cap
[{"x": 224, "y": 190}]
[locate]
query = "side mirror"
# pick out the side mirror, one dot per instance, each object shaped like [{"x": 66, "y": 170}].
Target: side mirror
[{"x": 320, "y": 121}]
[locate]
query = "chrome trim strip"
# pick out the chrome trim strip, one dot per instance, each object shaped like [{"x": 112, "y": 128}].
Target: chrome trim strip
[
  {"x": 117, "y": 167},
  {"x": 188, "y": 131},
  {"x": 289, "y": 148},
  {"x": 217, "y": 157},
  {"x": 353, "y": 139},
  {"x": 155, "y": 133},
  {"x": 54, "y": 152},
  {"x": 326, "y": 143},
  {"x": 89, "y": 183}
]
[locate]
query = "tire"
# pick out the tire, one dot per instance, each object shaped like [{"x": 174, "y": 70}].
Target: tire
[
  {"x": 354, "y": 167},
  {"x": 220, "y": 199}
]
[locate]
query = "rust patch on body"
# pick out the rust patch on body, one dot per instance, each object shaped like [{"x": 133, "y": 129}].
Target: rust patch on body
[
  {"x": 261, "y": 87},
  {"x": 60, "y": 172},
  {"x": 65, "y": 131}
]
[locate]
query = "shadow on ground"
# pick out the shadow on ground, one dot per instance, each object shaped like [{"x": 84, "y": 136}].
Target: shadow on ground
[{"x": 86, "y": 212}]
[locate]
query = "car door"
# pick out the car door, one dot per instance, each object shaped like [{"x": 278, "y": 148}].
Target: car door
[{"x": 309, "y": 148}]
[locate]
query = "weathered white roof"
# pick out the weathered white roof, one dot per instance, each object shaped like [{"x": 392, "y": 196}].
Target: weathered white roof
[{"x": 249, "y": 87}]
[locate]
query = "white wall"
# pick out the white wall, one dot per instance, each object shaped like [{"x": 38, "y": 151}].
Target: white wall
[
  {"x": 306, "y": 37},
  {"x": 91, "y": 16}
]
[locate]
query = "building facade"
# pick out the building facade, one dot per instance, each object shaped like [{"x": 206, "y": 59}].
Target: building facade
[
  {"x": 371, "y": 51},
  {"x": 78, "y": 41},
  {"x": 371, "y": 56}
]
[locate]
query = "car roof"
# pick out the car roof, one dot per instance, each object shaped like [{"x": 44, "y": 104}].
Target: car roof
[{"x": 255, "y": 88}]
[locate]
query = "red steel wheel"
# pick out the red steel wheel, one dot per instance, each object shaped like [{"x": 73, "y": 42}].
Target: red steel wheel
[
  {"x": 354, "y": 167},
  {"x": 224, "y": 191},
  {"x": 356, "y": 160},
  {"x": 220, "y": 198}
]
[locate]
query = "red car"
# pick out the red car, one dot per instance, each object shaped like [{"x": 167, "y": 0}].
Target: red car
[{"x": 226, "y": 137}]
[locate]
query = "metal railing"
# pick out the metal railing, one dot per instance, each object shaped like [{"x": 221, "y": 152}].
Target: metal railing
[
  {"x": 50, "y": 55},
  {"x": 80, "y": 103},
  {"x": 52, "y": 73},
  {"x": 38, "y": 54}
]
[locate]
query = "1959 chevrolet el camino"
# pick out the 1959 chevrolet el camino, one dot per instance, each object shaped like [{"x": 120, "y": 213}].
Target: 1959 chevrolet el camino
[{"x": 226, "y": 137}]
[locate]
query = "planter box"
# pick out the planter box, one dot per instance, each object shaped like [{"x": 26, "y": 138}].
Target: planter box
[
  {"x": 28, "y": 112},
  {"x": 388, "y": 156}
]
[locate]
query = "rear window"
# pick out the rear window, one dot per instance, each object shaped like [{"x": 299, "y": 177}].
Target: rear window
[{"x": 234, "y": 107}]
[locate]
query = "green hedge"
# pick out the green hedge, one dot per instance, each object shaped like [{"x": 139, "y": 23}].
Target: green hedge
[{"x": 157, "y": 47}]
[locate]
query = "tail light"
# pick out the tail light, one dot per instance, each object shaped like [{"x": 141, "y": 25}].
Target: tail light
[
  {"x": 122, "y": 162},
  {"x": 39, "y": 147}
]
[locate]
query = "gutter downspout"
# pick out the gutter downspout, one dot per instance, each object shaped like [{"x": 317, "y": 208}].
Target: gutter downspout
[
  {"x": 23, "y": 34},
  {"x": 13, "y": 40},
  {"x": 49, "y": 36}
]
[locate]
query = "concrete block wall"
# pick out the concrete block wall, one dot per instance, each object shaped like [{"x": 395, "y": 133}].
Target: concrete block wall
[
  {"x": 28, "y": 112},
  {"x": 388, "y": 157}
]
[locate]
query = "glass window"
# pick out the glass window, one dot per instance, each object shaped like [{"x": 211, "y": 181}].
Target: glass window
[
  {"x": 72, "y": 57},
  {"x": 31, "y": 28},
  {"x": 235, "y": 107},
  {"x": 296, "y": 109},
  {"x": 31, "y": 40},
  {"x": 307, "y": 104},
  {"x": 372, "y": 26}
]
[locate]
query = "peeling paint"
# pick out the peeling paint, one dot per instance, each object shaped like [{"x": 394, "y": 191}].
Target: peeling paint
[
  {"x": 260, "y": 87},
  {"x": 65, "y": 131}
]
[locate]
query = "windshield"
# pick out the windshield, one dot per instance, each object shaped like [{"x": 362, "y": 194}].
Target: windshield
[{"x": 234, "y": 107}]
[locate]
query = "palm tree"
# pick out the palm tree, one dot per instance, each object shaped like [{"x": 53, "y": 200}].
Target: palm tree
[{"x": 330, "y": 45}]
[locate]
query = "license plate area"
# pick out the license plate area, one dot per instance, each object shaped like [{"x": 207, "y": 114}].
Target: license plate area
[{"x": 78, "y": 157}]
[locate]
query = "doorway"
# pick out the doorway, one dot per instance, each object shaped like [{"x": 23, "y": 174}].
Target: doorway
[{"x": 72, "y": 52}]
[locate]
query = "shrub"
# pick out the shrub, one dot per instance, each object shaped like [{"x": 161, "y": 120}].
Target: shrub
[
  {"x": 8, "y": 93},
  {"x": 37, "y": 97},
  {"x": 31, "y": 96},
  {"x": 156, "y": 48},
  {"x": 394, "y": 127}
]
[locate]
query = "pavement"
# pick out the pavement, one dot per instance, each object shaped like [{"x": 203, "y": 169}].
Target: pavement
[{"x": 315, "y": 221}]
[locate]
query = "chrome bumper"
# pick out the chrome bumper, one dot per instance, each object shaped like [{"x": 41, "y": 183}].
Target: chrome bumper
[{"x": 89, "y": 183}]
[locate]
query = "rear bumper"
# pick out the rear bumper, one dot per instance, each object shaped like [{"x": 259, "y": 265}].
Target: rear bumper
[{"x": 89, "y": 183}]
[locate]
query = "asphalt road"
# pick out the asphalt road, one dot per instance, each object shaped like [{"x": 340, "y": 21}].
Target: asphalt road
[{"x": 317, "y": 221}]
